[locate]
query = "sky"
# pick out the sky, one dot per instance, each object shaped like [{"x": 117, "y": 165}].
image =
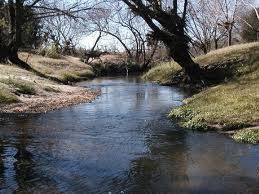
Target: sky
[{"x": 107, "y": 41}]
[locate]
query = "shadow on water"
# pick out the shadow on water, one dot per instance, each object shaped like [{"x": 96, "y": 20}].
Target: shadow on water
[{"x": 121, "y": 143}]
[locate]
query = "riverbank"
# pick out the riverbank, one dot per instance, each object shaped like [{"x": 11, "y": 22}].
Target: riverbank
[
  {"x": 231, "y": 106},
  {"x": 22, "y": 91}
]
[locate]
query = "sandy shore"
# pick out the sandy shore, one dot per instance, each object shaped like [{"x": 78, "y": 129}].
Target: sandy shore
[{"x": 48, "y": 101}]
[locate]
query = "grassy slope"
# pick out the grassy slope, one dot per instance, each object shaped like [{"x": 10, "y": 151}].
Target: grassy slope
[
  {"x": 163, "y": 73},
  {"x": 15, "y": 81},
  {"x": 66, "y": 68},
  {"x": 232, "y": 105}
]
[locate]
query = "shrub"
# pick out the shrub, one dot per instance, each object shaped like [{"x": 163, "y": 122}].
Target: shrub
[
  {"x": 21, "y": 86},
  {"x": 69, "y": 77},
  {"x": 7, "y": 97}
]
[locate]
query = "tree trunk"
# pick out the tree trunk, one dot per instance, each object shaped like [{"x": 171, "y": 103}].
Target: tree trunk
[
  {"x": 205, "y": 50},
  {"x": 192, "y": 69},
  {"x": 216, "y": 44},
  {"x": 179, "y": 51},
  {"x": 147, "y": 62},
  {"x": 92, "y": 49},
  {"x": 230, "y": 36}
]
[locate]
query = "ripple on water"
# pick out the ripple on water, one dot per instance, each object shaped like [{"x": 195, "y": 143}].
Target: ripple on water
[{"x": 121, "y": 143}]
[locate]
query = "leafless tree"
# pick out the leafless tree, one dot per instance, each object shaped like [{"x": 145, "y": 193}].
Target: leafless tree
[
  {"x": 40, "y": 9},
  {"x": 251, "y": 5},
  {"x": 167, "y": 19},
  {"x": 203, "y": 25}
]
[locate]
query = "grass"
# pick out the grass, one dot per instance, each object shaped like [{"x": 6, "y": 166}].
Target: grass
[
  {"x": 231, "y": 105},
  {"x": 7, "y": 97},
  {"x": 21, "y": 86},
  {"x": 250, "y": 135},
  {"x": 51, "y": 89},
  {"x": 69, "y": 77},
  {"x": 227, "y": 106},
  {"x": 86, "y": 74},
  {"x": 15, "y": 81},
  {"x": 65, "y": 68},
  {"x": 162, "y": 73}
]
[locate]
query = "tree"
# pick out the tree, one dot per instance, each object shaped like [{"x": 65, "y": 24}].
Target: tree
[
  {"x": 62, "y": 32},
  {"x": 203, "y": 25},
  {"x": 250, "y": 23},
  {"x": 130, "y": 30},
  {"x": 228, "y": 10},
  {"x": 169, "y": 26},
  {"x": 17, "y": 18},
  {"x": 250, "y": 27}
]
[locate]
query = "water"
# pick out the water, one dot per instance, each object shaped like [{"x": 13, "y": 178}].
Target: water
[{"x": 121, "y": 143}]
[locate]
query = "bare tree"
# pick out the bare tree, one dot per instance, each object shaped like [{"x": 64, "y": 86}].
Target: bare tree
[
  {"x": 228, "y": 9},
  {"x": 40, "y": 9},
  {"x": 136, "y": 37},
  {"x": 249, "y": 4},
  {"x": 203, "y": 25},
  {"x": 169, "y": 26},
  {"x": 63, "y": 32}
]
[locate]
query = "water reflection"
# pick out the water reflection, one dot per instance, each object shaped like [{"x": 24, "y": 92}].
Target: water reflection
[{"x": 121, "y": 143}]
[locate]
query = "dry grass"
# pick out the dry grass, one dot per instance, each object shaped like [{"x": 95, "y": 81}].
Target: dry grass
[
  {"x": 58, "y": 67},
  {"x": 20, "y": 86},
  {"x": 229, "y": 106},
  {"x": 163, "y": 72},
  {"x": 24, "y": 91},
  {"x": 228, "y": 53},
  {"x": 7, "y": 97}
]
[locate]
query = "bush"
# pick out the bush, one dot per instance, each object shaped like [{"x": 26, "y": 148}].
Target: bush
[
  {"x": 69, "y": 77},
  {"x": 21, "y": 86},
  {"x": 7, "y": 97}
]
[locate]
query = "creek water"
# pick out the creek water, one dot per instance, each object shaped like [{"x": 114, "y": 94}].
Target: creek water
[{"x": 123, "y": 142}]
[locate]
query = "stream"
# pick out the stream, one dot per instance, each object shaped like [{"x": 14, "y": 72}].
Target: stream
[{"x": 122, "y": 142}]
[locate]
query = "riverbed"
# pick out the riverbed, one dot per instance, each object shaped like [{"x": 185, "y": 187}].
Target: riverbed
[{"x": 123, "y": 142}]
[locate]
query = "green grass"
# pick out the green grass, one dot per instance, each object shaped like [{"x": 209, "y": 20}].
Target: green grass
[
  {"x": 21, "y": 86},
  {"x": 227, "y": 106},
  {"x": 162, "y": 73},
  {"x": 76, "y": 76},
  {"x": 69, "y": 77},
  {"x": 250, "y": 135},
  {"x": 51, "y": 89},
  {"x": 86, "y": 74},
  {"x": 231, "y": 105},
  {"x": 7, "y": 97}
]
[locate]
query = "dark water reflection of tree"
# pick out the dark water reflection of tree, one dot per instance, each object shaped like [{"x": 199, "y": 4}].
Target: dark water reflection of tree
[{"x": 18, "y": 166}]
